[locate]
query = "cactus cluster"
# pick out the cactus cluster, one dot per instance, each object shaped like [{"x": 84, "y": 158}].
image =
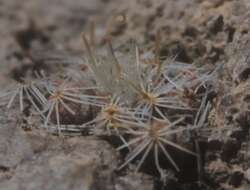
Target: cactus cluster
[{"x": 145, "y": 101}]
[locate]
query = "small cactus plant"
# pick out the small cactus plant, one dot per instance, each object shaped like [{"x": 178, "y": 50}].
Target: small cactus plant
[{"x": 142, "y": 104}]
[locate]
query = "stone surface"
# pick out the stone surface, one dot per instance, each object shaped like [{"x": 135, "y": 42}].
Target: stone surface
[
  {"x": 63, "y": 164},
  {"x": 134, "y": 181},
  {"x": 14, "y": 147}
]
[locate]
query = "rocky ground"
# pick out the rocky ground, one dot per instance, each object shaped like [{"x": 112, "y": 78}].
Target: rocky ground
[{"x": 206, "y": 32}]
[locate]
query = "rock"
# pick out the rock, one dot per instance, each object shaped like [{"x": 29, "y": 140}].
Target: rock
[
  {"x": 236, "y": 178},
  {"x": 135, "y": 181},
  {"x": 247, "y": 174},
  {"x": 14, "y": 147},
  {"x": 65, "y": 164},
  {"x": 230, "y": 149},
  {"x": 218, "y": 166}
]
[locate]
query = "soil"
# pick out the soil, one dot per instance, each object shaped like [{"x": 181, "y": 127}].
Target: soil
[{"x": 202, "y": 31}]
